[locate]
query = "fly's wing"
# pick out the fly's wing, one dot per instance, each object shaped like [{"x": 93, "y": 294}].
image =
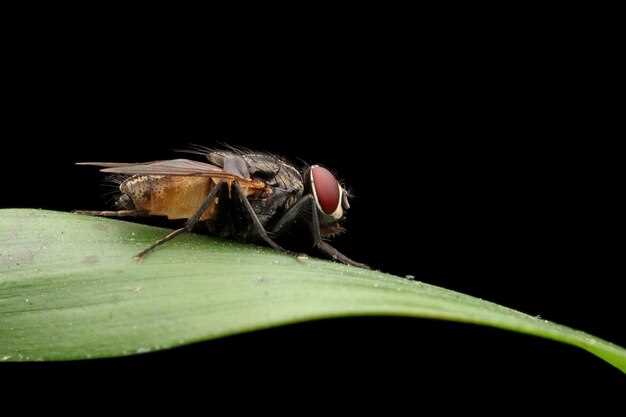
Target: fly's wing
[
  {"x": 167, "y": 167},
  {"x": 110, "y": 164},
  {"x": 182, "y": 167}
]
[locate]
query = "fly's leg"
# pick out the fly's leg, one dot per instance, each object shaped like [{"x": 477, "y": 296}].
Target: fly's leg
[
  {"x": 256, "y": 223},
  {"x": 293, "y": 214},
  {"x": 324, "y": 246},
  {"x": 191, "y": 222},
  {"x": 303, "y": 205},
  {"x": 118, "y": 213}
]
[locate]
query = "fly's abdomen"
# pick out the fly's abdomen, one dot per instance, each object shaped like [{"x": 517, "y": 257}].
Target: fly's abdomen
[{"x": 172, "y": 196}]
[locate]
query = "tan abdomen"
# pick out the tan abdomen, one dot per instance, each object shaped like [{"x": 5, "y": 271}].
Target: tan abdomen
[{"x": 171, "y": 196}]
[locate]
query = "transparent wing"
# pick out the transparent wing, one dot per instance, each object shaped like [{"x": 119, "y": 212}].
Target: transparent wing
[{"x": 184, "y": 167}]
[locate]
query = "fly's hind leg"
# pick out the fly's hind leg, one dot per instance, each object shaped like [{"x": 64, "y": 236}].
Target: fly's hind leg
[
  {"x": 191, "y": 222},
  {"x": 115, "y": 213}
]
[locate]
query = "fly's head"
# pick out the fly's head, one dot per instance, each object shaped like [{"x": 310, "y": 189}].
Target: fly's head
[{"x": 329, "y": 195}]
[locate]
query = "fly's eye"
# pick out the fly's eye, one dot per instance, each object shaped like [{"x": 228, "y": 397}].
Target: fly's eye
[{"x": 327, "y": 192}]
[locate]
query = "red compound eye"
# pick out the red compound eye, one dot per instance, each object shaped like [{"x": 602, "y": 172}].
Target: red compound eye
[{"x": 326, "y": 189}]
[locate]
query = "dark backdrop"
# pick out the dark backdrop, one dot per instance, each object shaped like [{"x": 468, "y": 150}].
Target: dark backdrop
[{"x": 477, "y": 173}]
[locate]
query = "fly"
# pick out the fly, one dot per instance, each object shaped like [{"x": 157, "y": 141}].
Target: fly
[{"x": 241, "y": 194}]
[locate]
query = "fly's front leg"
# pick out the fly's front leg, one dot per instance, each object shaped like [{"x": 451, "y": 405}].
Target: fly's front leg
[
  {"x": 191, "y": 222},
  {"x": 303, "y": 205},
  {"x": 294, "y": 213},
  {"x": 116, "y": 213},
  {"x": 324, "y": 246},
  {"x": 256, "y": 223}
]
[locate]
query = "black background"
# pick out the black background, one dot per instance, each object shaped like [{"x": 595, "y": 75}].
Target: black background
[{"x": 477, "y": 164}]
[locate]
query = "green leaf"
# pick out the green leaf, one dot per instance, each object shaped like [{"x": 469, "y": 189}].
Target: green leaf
[{"x": 69, "y": 289}]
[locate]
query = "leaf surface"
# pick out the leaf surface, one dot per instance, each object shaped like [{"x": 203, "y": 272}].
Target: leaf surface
[{"x": 70, "y": 289}]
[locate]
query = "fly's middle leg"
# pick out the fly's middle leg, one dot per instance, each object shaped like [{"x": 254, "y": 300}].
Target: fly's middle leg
[{"x": 256, "y": 225}]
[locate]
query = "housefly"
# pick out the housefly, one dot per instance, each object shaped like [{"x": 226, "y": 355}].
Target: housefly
[{"x": 240, "y": 194}]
